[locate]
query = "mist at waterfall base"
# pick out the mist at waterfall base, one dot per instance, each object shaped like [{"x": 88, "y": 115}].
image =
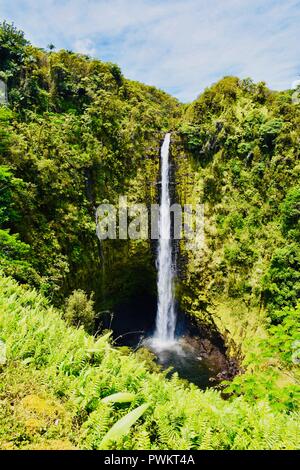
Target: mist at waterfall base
[
  {"x": 176, "y": 343},
  {"x": 193, "y": 355}
]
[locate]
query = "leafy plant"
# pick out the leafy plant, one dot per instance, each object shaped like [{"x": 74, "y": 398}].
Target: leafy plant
[
  {"x": 121, "y": 397},
  {"x": 122, "y": 427}
]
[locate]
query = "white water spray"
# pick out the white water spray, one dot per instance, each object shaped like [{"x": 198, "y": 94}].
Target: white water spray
[{"x": 166, "y": 317}]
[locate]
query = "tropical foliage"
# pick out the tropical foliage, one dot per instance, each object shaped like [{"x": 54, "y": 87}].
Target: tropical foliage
[
  {"x": 76, "y": 133},
  {"x": 57, "y": 388}
]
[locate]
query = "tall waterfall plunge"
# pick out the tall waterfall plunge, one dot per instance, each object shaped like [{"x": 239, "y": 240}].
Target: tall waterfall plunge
[
  {"x": 166, "y": 317},
  {"x": 183, "y": 354}
]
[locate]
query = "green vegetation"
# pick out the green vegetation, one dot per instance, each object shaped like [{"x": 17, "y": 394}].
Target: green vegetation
[
  {"x": 77, "y": 133},
  {"x": 80, "y": 311},
  {"x": 55, "y": 378},
  {"x": 72, "y": 138},
  {"x": 242, "y": 142}
]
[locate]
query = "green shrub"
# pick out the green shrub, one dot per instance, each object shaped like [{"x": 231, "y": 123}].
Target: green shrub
[
  {"x": 79, "y": 310},
  {"x": 269, "y": 131},
  {"x": 290, "y": 210},
  {"x": 281, "y": 283}
]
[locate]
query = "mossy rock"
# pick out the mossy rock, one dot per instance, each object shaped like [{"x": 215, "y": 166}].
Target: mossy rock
[{"x": 39, "y": 414}]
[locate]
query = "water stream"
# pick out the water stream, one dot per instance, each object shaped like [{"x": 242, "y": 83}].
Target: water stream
[{"x": 166, "y": 317}]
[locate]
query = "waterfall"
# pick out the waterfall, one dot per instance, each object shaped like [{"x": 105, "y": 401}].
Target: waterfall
[{"x": 166, "y": 317}]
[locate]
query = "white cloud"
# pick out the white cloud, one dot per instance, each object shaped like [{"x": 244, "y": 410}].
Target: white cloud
[
  {"x": 85, "y": 46},
  {"x": 295, "y": 84},
  {"x": 178, "y": 45}
]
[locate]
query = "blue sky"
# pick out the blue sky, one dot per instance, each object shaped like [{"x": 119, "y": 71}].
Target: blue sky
[{"x": 181, "y": 46}]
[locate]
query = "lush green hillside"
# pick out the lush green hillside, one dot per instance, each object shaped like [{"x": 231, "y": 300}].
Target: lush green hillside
[
  {"x": 55, "y": 378},
  {"x": 76, "y": 133},
  {"x": 237, "y": 153},
  {"x": 244, "y": 140}
]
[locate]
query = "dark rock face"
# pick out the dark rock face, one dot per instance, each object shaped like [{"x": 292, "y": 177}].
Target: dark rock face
[
  {"x": 232, "y": 369},
  {"x": 223, "y": 368}
]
